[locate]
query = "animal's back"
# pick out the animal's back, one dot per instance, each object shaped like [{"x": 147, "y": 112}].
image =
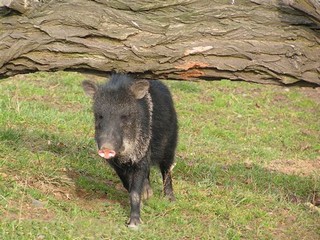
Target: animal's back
[{"x": 164, "y": 123}]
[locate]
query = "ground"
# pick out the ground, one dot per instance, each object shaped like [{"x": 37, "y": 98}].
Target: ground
[{"x": 248, "y": 164}]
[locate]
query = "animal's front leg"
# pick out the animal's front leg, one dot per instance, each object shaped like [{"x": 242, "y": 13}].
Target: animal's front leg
[{"x": 139, "y": 174}]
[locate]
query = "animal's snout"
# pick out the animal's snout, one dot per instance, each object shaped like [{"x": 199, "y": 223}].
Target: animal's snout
[{"x": 106, "y": 153}]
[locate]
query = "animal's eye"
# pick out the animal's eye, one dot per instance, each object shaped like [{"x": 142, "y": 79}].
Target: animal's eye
[
  {"x": 124, "y": 118},
  {"x": 98, "y": 116}
]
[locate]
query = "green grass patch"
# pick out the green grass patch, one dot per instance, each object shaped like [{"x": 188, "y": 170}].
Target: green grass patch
[{"x": 247, "y": 164}]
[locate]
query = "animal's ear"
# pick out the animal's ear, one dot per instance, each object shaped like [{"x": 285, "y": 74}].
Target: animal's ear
[
  {"x": 89, "y": 87},
  {"x": 140, "y": 88}
]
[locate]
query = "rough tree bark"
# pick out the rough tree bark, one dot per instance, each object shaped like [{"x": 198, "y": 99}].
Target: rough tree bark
[{"x": 266, "y": 41}]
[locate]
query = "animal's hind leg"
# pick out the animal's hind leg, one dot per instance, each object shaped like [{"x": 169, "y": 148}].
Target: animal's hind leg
[
  {"x": 147, "y": 190},
  {"x": 166, "y": 169}
]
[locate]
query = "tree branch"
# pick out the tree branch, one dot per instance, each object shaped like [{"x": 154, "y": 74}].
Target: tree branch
[{"x": 177, "y": 39}]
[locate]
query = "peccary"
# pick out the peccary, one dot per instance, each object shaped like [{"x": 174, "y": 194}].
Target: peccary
[{"x": 135, "y": 127}]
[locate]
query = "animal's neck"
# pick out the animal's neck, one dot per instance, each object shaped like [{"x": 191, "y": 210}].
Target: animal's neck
[{"x": 143, "y": 134}]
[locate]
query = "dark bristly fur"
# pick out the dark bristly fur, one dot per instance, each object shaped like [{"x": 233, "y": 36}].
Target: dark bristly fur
[{"x": 137, "y": 120}]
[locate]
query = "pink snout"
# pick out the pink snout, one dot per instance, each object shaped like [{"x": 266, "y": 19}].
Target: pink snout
[{"x": 107, "y": 153}]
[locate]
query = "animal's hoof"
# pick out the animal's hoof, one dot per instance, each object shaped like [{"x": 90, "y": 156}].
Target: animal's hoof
[
  {"x": 133, "y": 226},
  {"x": 170, "y": 196},
  {"x": 134, "y": 223}
]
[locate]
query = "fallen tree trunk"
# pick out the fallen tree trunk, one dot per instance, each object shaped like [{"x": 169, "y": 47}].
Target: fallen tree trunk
[
  {"x": 310, "y": 7},
  {"x": 258, "y": 41}
]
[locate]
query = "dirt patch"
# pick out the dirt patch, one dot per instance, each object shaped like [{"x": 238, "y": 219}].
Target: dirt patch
[
  {"x": 27, "y": 209},
  {"x": 296, "y": 167},
  {"x": 280, "y": 98},
  {"x": 312, "y": 93},
  {"x": 62, "y": 188},
  {"x": 288, "y": 227}
]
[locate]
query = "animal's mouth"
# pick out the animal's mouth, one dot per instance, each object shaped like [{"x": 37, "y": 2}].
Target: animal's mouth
[{"x": 107, "y": 153}]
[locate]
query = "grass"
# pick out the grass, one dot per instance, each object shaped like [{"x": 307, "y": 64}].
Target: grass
[{"x": 247, "y": 162}]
